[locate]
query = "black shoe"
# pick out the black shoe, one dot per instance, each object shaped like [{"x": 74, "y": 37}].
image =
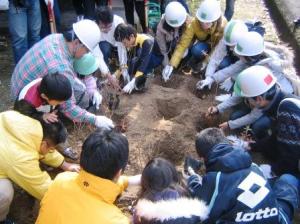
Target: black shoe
[{"x": 193, "y": 163}]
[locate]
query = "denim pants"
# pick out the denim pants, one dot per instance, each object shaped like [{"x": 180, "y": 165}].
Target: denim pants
[
  {"x": 106, "y": 49},
  {"x": 200, "y": 50},
  {"x": 286, "y": 190},
  {"x": 45, "y": 27},
  {"x": 24, "y": 26},
  {"x": 227, "y": 60},
  {"x": 260, "y": 127},
  {"x": 154, "y": 61},
  {"x": 229, "y": 10}
]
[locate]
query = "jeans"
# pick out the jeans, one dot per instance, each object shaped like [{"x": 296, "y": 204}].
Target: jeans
[
  {"x": 6, "y": 196},
  {"x": 45, "y": 28},
  {"x": 286, "y": 190},
  {"x": 24, "y": 26},
  {"x": 259, "y": 127},
  {"x": 229, "y": 9},
  {"x": 106, "y": 49},
  {"x": 200, "y": 50},
  {"x": 228, "y": 60},
  {"x": 155, "y": 61}
]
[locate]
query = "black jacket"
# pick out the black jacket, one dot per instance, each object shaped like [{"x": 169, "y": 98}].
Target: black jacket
[{"x": 234, "y": 188}]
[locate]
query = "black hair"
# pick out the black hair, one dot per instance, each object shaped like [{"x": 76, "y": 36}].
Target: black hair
[
  {"x": 104, "y": 153},
  {"x": 54, "y": 132},
  {"x": 159, "y": 175},
  {"x": 252, "y": 60},
  {"x": 104, "y": 15},
  {"x": 207, "y": 139},
  {"x": 56, "y": 87},
  {"x": 169, "y": 28},
  {"x": 270, "y": 94},
  {"x": 70, "y": 35},
  {"x": 124, "y": 31}
]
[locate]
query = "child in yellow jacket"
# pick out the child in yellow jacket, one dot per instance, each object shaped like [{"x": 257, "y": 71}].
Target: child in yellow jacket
[{"x": 24, "y": 142}]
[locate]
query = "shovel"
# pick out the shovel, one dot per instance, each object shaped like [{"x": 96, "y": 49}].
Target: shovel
[{"x": 51, "y": 18}]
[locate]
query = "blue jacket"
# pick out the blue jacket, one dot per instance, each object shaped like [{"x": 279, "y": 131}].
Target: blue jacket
[{"x": 234, "y": 188}]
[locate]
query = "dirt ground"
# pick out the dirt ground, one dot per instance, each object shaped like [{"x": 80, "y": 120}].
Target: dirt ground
[{"x": 162, "y": 121}]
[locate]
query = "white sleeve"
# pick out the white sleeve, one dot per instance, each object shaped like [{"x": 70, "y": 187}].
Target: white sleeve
[
  {"x": 230, "y": 71},
  {"x": 216, "y": 58},
  {"x": 247, "y": 119},
  {"x": 230, "y": 102},
  {"x": 122, "y": 53},
  {"x": 98, "y": 54}
]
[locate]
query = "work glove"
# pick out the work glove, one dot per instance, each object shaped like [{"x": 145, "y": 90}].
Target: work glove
[
  {"x": 97, "y": 99},
  {"x": 226, "y": 85},
  {"x": 50, "y": 1},
  {"x": 167, "y": 71},
  {"x": 104, "y": 123},
  {"x": 130, "y": 86},
  {"x": 206, "y": 82},
  {"x": 126, "y": 76},
  {"x": 222, "y": 97}
]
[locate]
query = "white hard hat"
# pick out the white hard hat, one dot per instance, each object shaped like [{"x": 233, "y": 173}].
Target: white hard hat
[
  {"x": 251, "y": 44},
  {"x": 87, "y": 32},
  {"x": 234, "y": 30},
  {"x": 209, "y": 11},
  {"x": 254, "y": 81},
  {"x": 175, "y": 14}
]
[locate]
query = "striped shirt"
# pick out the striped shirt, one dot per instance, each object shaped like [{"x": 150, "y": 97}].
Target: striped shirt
[{"x": 49, "y": 55}]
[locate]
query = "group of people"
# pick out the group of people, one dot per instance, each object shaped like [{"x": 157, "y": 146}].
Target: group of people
[{"x": 56, "y": 76}]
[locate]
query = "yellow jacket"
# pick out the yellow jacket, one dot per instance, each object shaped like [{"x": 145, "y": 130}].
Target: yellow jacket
[
  {"x": 194, "y": 30},
  {"x": 82, "y": 198},
  {"x": 20, "y": 140}
]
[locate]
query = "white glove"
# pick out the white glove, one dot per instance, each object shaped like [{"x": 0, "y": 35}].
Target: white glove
[
  {"x": 226, "y": 85},
  {"x": 130, "y": 86},
  {"x": 206, "y": 82},
  {"x": 104, "y": 123},
  {"x": 49, "y": 1},
  {"x": 167, "y": 71},
  {"x": 126, "y": 76},
  {"x": 134, "y": 180},
  {"x": 97, "y": 99}
]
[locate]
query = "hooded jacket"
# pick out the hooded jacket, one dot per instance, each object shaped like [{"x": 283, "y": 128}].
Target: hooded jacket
[
  {"x": 167, "y": 39},
  {"x": 82, "y": 198},
  {"x": 234, "y": 188},
  {"x": 21, "y": 138}
]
